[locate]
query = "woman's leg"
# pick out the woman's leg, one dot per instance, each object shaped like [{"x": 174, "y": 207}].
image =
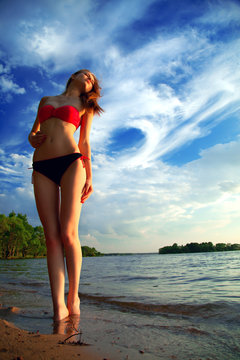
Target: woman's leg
[
  {"x": 47, "y": 201},
  {"x": 72, "y": 184}
]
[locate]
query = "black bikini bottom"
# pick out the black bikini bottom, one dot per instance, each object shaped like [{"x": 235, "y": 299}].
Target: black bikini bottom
[{"x": 55, "y": 168}]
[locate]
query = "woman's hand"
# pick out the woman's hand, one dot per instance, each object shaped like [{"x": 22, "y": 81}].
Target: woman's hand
[
  {"x": 87, "y": 190},
  {"x": 37, "y": 139}
]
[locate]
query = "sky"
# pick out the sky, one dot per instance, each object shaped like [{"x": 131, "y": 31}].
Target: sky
[{"x": 165, "y": 153}]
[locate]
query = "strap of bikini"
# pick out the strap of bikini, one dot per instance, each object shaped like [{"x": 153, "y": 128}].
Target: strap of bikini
[{"x": 83, "y": 157}]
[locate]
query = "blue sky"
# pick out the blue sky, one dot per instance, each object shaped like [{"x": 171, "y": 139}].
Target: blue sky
[{"x": 166, "y": 151}]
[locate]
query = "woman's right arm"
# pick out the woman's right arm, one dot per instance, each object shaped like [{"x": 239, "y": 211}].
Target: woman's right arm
[{"x": 36, "y": 137}]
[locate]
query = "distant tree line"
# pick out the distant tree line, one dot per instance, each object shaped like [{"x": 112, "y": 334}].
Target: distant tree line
[
  {"x": 19, "y": 239},
  {"x": 194, "y": 247},
  {"x": 87, "y": 251}
]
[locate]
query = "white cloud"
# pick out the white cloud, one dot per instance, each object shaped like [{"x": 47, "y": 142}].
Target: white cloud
[
  {"x": 7, "y": 85},
  {"x": 4, "y": 69},
  {"x": 174, "y": 89},
  {"x": 168, "y": 118},
  {"x": 230, "y": 187},
  {"x": 31, "y": 108},
  {"x": 15, "y": 165},
  {"x": 59, "y": 87},
  {"x": 221, "y": 13},
  {"x": 16, "y": 188},
  {"x": 35, "y": 87},
  {"x": 166, "y": 198},
  {"x": 74, "y": 31}
]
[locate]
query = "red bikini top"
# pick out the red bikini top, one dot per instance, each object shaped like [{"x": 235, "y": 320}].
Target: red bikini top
[{"x": 66, "y": 113}]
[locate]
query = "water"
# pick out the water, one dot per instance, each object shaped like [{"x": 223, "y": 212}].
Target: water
[{"x": 183, "y": 306}]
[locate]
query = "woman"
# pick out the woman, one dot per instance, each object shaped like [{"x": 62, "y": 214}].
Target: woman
[{"x": 56, "y": 164}]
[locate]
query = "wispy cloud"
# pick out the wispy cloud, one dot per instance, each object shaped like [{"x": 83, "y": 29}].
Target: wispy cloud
[
  {"x": 8, "y": 86},
  {"x": 221, "y": 13}
]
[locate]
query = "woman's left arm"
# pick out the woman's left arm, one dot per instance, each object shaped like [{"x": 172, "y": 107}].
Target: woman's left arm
[{"x": 85, "y": 150}]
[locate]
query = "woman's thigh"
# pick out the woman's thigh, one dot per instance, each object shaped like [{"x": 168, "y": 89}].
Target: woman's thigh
[
  {"x": 47, "y": 202},
  {"x": 72, "y": 183}
]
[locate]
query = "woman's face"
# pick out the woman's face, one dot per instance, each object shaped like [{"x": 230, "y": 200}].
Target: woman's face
[{"x": 86, "y": 79}]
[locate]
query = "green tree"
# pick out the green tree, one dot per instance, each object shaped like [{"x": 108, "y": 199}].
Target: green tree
[
  {"x": 4, "y": 235},
  {"x": 37, "y": 244},
  {"x": 87, "y": 251},
  {"x": 14, "y": 235},
  {"x": 235, "y": 247},
  {"x": 20, "y": 239},
  {"x": 220, "y": 247},
  {"x": 194, "y": 247}
]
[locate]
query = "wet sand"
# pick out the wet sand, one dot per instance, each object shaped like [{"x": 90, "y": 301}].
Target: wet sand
[
  {"x": 17, "y": 344},
  {"x": 66, "y": 341}
]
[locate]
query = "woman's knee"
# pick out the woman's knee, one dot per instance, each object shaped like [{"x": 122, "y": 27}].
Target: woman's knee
[
  {"x": 69, "y": 237},
  {"x": 53, "y": 238}
]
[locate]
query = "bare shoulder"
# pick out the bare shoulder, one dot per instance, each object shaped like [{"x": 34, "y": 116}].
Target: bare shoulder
[
  {"x": 87, "y": 117},
  {"x": 89, "y": 113},
  {"x": 43, "y": 100}
]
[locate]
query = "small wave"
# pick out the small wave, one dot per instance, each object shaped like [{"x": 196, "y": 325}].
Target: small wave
[
  {"x": 28, "y": 283},
  {"x": 34, "y": 284},
  {"x": 134, "y": 278},
  {"x": 208, "y": 310},
  {"x": 130, "y": 278},
  {"x": 204, "y": 278}
]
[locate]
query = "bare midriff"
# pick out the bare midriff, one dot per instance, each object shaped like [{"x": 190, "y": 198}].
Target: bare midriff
[{"x": 59, "y": 140}]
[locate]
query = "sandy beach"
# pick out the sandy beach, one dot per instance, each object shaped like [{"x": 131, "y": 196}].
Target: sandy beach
[{"x": 17, "y": 344}]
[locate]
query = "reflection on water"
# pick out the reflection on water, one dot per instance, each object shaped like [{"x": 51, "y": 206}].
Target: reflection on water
[{"x": 68, "y": 326}]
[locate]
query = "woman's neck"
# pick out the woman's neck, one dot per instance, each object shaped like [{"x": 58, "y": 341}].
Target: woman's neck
[{"x": 73, "y": 91}]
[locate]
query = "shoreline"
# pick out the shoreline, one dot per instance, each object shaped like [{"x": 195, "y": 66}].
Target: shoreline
[
  {"x": 20, "y": 344},
  {"x": 84, "y": 256},
  {"x": 126, "y": 254}
]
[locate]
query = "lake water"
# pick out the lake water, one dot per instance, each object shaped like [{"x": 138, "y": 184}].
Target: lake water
[{"x": 183, "y": 306}]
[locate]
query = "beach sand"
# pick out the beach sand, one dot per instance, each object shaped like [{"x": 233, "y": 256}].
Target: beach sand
[{"x": 17, "y": 344}]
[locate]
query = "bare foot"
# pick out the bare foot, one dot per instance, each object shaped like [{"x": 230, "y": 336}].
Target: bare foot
[
  {"x": 74, "y": 306},
  {"x": 61, "y": 313}
]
